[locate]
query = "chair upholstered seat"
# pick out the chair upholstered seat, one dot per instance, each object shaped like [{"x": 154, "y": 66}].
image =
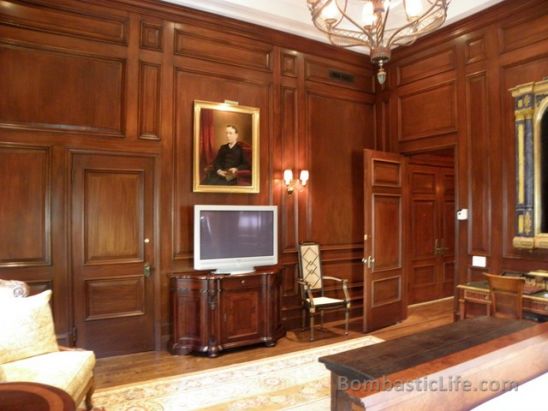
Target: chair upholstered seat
[
  {"x": 325, "y": 300},
  {"x": 67, "y": 370}
]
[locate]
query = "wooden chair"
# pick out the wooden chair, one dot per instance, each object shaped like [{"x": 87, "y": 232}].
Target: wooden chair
[
  {"x": 311, "y": 281},
  {"x": 506, "y": 295}
]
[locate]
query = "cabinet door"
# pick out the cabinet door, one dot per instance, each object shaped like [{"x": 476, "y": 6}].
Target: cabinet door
[{"x": 241, "y": 310}]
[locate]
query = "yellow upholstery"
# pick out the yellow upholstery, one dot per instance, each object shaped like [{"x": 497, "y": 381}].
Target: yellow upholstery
[
  {"x": 29, "y": 350},
  {"x": 27, "y": 327},
  {"x": 67, "y": 370}
]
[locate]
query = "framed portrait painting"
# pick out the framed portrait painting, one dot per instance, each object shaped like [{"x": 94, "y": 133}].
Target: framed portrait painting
[{"x": 226, "y": 148}]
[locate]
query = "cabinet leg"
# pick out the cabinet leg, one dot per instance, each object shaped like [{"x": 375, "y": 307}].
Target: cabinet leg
[{"x": 270, "y": 343}]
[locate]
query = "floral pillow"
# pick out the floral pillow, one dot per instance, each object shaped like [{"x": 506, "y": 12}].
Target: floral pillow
[{"x": 26, "y": 327}]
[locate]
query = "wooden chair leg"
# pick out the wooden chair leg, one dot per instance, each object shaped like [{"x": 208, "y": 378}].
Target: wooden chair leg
[
  {"x": 89, "y": 401},
  {"x": 321, "y": 318},
  {"x": 311, "y": 326},
  {"x": 303, "y": 318},
  {"x": 346, "y": 318}
]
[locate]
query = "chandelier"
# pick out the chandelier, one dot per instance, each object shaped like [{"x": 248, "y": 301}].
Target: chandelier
[{"x": 351, "y": 23}]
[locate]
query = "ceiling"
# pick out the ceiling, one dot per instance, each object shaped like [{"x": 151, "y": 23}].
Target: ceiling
[{"x": 292, "y": 16}]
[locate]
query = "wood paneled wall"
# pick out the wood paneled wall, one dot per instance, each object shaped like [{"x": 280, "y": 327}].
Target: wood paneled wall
[
  {"x": 120, "y": 77},
  {"x": 451, "y": 89}
]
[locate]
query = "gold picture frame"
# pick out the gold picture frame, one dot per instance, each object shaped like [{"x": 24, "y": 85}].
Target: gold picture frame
[{"x": 226, "y": 148}]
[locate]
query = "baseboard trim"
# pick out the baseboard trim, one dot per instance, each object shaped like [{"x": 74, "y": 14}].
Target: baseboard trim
[{"x": 431, "y": 302}]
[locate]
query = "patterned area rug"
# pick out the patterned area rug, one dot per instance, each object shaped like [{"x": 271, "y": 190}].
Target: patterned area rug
[{"x": 295, "y": 381}]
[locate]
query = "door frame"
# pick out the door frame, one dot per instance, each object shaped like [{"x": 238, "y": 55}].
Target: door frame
[{"x": 156, "y": 292}]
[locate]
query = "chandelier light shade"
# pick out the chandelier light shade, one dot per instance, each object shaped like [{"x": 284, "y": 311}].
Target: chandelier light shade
[{"x": 370, "y": 24}]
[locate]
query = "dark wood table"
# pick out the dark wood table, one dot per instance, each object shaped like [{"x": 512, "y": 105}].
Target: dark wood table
[
  {"x": 29, "y": 396},
  {"x": 368, "y": 377}
]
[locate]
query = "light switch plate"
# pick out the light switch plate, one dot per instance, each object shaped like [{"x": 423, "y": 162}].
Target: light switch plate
[{"x": 479, "y": 261}]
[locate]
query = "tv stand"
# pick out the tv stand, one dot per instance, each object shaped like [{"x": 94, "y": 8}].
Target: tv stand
[{"x": 212, "y": 312}]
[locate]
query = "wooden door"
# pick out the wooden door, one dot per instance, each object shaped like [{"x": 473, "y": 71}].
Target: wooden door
[
  {"x": 432, "y": 231},
  {"x": 384, "y": 209},
  {"x": 112, "y": 245}
]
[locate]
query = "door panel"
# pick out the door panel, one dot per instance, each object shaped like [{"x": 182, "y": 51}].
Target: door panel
[
  {"x": 423, "y": 224},
  {"x": 112, "y": 215},
  {"x": 384, "y": 291},
  {"x": 431, "y": 245},
  {"x": 386, "y": 245}
]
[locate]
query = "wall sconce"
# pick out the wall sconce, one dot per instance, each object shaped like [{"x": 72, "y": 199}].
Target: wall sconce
[{"x": 290, "y": 183}]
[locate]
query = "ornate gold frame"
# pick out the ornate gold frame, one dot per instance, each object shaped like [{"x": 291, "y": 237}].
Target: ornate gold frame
[
  {"x": 531, "y": 103},
  {"x": 254, "y": 112}
]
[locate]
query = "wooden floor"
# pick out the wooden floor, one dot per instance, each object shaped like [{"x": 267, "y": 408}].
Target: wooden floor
[{"x": 149, "y": 365}]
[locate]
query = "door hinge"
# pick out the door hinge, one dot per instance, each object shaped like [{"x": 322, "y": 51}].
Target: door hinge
[{"x": 73, "y": 336}]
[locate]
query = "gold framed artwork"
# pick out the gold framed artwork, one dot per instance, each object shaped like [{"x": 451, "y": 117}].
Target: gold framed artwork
[{"x": 226, "y": 148}]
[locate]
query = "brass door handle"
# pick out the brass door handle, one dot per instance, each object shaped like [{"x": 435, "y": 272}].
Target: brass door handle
[{"x": 147, "y": 270}]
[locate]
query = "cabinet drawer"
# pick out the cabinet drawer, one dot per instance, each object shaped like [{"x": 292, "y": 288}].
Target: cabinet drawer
[
  {"x": 539, "y": 307},
  {"x": 476, "y": 296},
  {"x": 237, "y": 283}
]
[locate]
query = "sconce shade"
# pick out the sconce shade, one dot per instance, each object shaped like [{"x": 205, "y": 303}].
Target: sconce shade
[
  {"x": 304, "y": 177},
  {"x": 288, "y": 176}
]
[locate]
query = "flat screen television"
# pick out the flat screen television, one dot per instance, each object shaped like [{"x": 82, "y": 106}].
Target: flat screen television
[{"x": 235, "y": 239}]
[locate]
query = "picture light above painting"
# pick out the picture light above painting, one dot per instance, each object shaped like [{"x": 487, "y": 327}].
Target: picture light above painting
[{"x": 226, "y": 148}]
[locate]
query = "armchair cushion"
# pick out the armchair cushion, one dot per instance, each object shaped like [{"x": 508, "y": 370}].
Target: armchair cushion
[
  {"x": 27, "y": 327},
  {"x": 325, "y": 300},
  {"x": 67, "y": 370}
]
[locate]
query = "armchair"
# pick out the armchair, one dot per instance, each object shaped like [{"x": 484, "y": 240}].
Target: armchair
[
  {"x": 311, "y": 281},
  {"x": 29, "y": 350}
]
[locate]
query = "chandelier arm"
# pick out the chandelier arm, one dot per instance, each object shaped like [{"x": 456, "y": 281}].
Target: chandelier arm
[
  {"x": 383, "y": 27},
  {"x": 429, "y": 13}
]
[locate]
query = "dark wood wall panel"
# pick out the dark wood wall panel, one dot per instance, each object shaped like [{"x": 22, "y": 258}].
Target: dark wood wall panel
[
  {"x": 523, "y": 32},
  {"x": 341, "y": 75},
  {"x": 335, "y": 157},
  {"x": 26, "y": 194},
  {"x": 438, "y": 100},
  {"x": 149, "y": 101},
  {"x": 479, "y": 163},
  {"x": 91, "y": 22},
  {"x": 427, "y": 66},
  {"x": 46, "y": 88},
  {"x": 289, "y": 148},
  {"x": 200, "y": 42}
]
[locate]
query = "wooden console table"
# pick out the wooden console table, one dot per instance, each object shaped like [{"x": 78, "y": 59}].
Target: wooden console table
[
  {"x": 214, "y": 312},
  {"x": 443, "y": 360}
]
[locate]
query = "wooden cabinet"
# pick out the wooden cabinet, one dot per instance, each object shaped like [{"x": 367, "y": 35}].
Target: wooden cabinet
[{"x": 215, "y": 312}]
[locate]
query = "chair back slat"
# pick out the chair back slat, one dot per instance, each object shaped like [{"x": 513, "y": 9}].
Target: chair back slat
[
  {"x": 506, "y": 295},
  {"x": 310, "y": 268}
]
